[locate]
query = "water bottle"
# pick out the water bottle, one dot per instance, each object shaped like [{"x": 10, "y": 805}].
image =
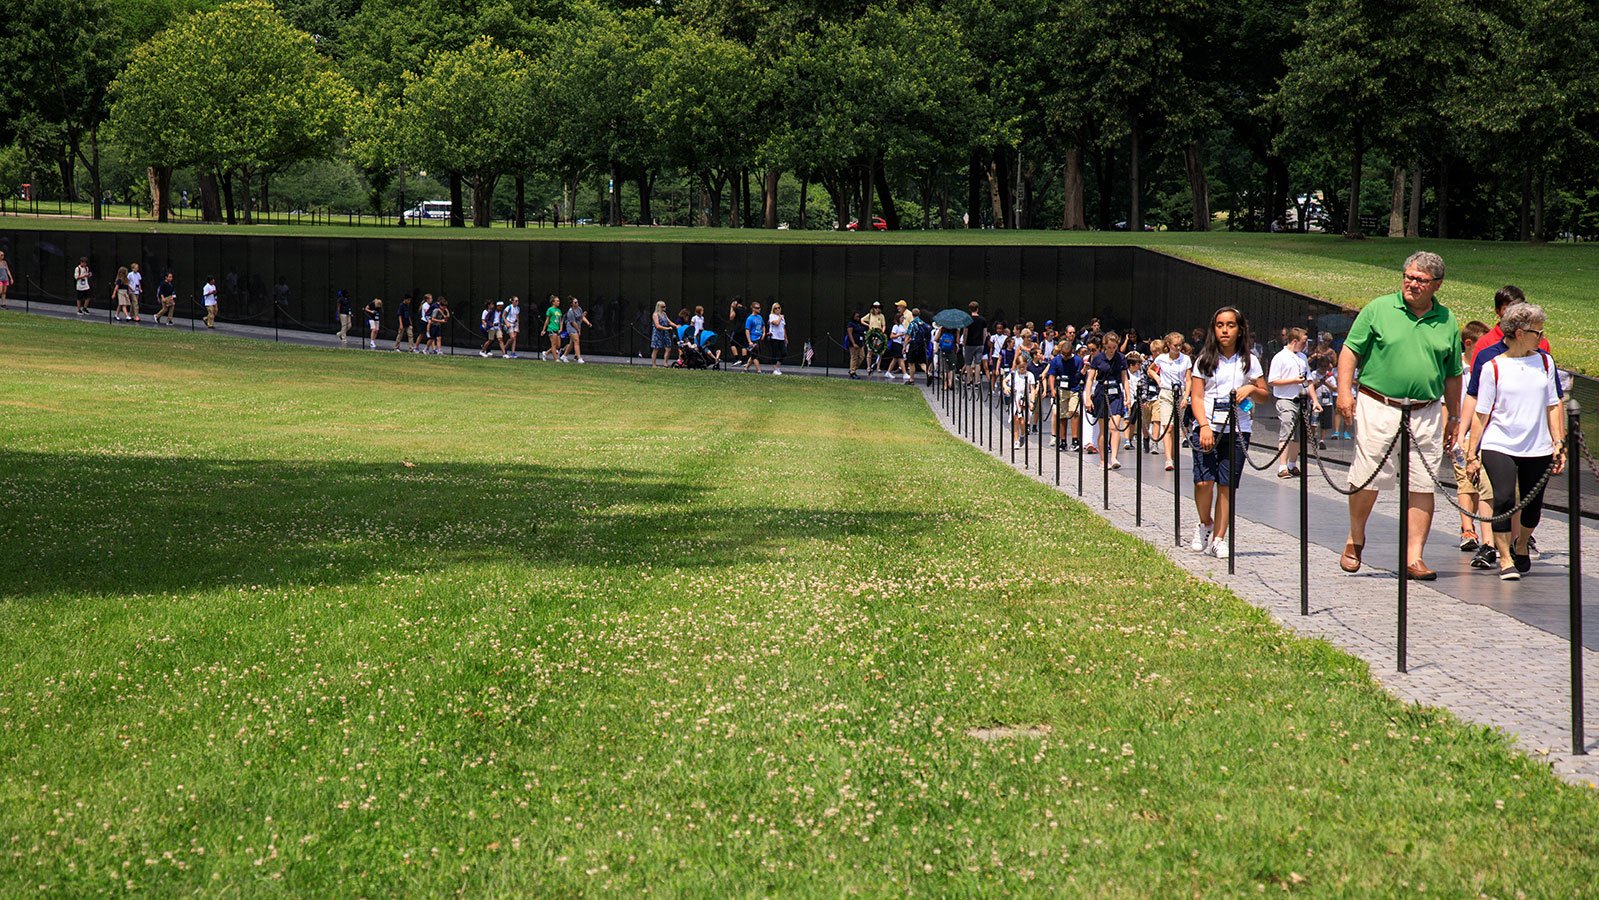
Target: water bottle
[
  {"x": 1459, "y": 456},
  {"x": 1246, "y": 406}
]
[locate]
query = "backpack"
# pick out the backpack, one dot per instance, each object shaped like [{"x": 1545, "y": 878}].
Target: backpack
[{"x": 946, "y": 341}]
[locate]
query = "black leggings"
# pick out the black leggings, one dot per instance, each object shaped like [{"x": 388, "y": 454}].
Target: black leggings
[{"x": 1511, "y": 475}]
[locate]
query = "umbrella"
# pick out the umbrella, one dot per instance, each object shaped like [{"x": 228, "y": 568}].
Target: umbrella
[{"x": 952, "y": 318}]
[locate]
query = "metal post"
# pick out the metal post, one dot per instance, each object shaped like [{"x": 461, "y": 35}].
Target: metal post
[
  {"x": 1404, "y": 534},
  {"x": 192, "y": 311},
  {"x": 1177, "y": 469},
  {"x": 1082, "y": 435},
  {"x": 1574, "y": 582},
  {"x": 1138, "y": 469},
  {"x": 1104, "y": 452},
  {"x": 1038, "y": 419},
  {"x": 274, "y": 321},
  {"x": 1304, "y": 503},
  {"x": 1234, "y": 462},
  {"x": 1055, "y": 429}
]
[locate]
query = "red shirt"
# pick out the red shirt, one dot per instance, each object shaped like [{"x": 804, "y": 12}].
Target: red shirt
[{"x": 1494, "y": 336}]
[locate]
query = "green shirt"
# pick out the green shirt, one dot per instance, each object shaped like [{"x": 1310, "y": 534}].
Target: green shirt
[
  {"x": 1403, "y": 356},
  {"x": 552, "y": 321}
]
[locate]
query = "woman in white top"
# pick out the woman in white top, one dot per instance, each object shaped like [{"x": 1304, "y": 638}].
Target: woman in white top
[
  {"x": 1517, "y": 433},
  {"x": 996, "y": 346},
  {"x": 1226, "y": 374},
  {"x": 1172, "y": 367},
  {"x": 776, "y": 337}
]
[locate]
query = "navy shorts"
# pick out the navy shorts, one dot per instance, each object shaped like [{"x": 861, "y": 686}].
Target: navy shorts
[
  {"x": 1215, "y": 466},
  {"x": 1106, "y": 406}
]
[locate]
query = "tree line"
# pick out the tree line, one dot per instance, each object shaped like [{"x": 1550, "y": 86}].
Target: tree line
[{"x": 1456, "y": 118}]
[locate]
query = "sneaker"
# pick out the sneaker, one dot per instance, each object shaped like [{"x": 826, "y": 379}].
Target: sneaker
[
  {"x": 561, "y": 358},
  {"x": 777, "y": 371},
  {"x": 1509, "y": 575},
  {"x": 1486, "y": 558},
  {"x": 1321, "y": 445},
  {"x": 1201, "y": 541},
  {"x": 1052, "y": 442},
  {"x": 1282, "y": 472},
  {"x": 398, "y": 350},
  {"x": 1468, "y": 542},
  {"x": 1116, "y": 465},
  {"x": 484, "y": 353},
  {"x": 1127, "y": 445},
  {"x": 1170, "y": 466},
  {"x": 1016, "y": 445},
  {"x": 1076, "y": 445},
  {"x": 544, "y": 355},
  {"x": 582, "y": 362},
  {"x": 1219, "y": 549}
]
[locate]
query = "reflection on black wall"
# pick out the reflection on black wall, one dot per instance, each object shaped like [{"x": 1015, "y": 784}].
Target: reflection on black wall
[{"x": 619, "y": 282}]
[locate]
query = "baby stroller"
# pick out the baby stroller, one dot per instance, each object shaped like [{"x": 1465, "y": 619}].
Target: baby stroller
[{"x": 691, "y": 356}]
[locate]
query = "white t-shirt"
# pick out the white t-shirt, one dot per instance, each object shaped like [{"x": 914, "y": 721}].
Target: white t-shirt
[
  {"x": 897, "y": 333},
  {"x": 1516, "y": 399},
  {"x": 777, "y": 328},
  {"x": 996, "y": 344},
  {"x": 136, "y": 283},
  {"x": 1287, "y": 364},
  {"x": 1231, "y": 374},
  {"x": 699, "y": 323},
  {"x": 82, "y": 274},
  {"x": 1173, "y": 372},
  {"x": 210, "y": 294}
]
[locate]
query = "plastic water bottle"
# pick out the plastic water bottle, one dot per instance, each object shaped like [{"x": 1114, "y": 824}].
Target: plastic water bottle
[{"x": 1246, "y": 406}]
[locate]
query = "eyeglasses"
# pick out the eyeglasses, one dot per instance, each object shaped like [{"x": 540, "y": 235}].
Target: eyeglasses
[
  {"x": 1420, "y": 279},
  {"x": 1537, "y": 331}
]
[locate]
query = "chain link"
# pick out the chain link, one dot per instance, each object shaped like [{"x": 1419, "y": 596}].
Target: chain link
[
  {"x": 1322, "y": 465},
  {"x": 1587, "y": 457},
  {"x": 1526, "y": 498},
  {"x": 1281, "y": 447}
]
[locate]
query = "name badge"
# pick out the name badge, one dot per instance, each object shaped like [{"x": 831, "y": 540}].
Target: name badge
[{"x": 1221, "y": 415}]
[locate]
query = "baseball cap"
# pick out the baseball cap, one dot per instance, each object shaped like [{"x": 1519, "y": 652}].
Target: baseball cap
[
  {"x": 899, "y": 302},
  {"x": 877, "y": 303},
  {"x": 500, "y": 303}
]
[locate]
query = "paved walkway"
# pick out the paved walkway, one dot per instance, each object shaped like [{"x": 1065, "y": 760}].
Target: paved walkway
[{"x": 1489, "y": 651}]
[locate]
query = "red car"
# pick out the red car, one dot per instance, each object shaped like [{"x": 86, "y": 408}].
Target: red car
[{"x": 878, "y": 224}]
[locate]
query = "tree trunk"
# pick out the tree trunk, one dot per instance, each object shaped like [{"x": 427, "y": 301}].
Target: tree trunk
[
  {"x": 401, "y": 219},
  {"x": 246, "y": 195},
  {"x": 1007, "y": 198},
  {"x": 519, "y": 217},
  {"x": 1526, "y": 205},
  {"x": 974, "y": 176},
  {"x": 805, "y": 189},
  {"x": 92, "y": 162},
  {"x": 457, "y": 207},
  {"x": 865, "y": 184},
  {"x": 613, "y": 195},
  {"x": 483, "y": 199},
  {"x": 1074, "y": 218},
  {"x": 227, "y": 197},
  {"x": 1358, "y": 159},
  {"x": 943, "y": 208},
  {"x": 1198, "y": 187},
  {"x": 160, "y": 191},
  {"x": 1443, "y": 198},
  {"x": 1413, "y": 221},
  {"x": 838, "y": 190},
  {"x": 67, "y": 166},
  {"x": 744, "y": 185},
  {"x": 1277, "y": 191},
  {"x": 926, "y": 186},
  {"x": 769, "y": 195},
  {"x": 996, "y": 205},
  {"x": 569, "y": 189},
  {"x": 712, "y": 210},
  {"x": 646, "y": 187},
  {"x": 1104, "y": 175},
  {"x": 1396, "y": 205},
  {"x": 1135, "y": 206},
  {"x": 1538, "y": 210},
  {"x": 210, "y": 207},
  {"x": 885, "y": 196}
]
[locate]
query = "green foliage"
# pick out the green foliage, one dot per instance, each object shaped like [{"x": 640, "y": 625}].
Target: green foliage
[
  {"x": 237, "y": 88},
  {"x": 467, "y": 112}
]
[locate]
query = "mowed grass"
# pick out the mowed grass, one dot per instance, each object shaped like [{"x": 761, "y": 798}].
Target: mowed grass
[{"x": 279, "y": 620}]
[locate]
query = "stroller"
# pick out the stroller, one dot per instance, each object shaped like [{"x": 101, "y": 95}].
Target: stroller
[{"x": 691, "y": 356}]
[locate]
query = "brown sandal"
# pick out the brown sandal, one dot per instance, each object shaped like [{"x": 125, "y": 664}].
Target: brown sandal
[{"x": 1351, "y": 558}]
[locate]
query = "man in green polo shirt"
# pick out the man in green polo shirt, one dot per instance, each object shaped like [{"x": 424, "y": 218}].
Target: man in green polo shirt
[{"x": 1407, "y": 346}]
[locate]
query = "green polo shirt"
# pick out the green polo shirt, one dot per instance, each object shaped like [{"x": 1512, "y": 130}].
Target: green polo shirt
[{"x": 1401, "y": 355}]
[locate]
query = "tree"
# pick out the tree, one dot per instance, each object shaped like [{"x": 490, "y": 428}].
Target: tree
[
  {"x": 465, "y": 115},
  {"x": 234, "y": 91}
]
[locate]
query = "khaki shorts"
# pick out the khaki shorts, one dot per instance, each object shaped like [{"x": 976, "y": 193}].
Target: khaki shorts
[
  {"x": 1071, "y": 403},
  {"x": 1163, "y": 409},
  {"x": 1478, "y": 486},
  {"x": 1376, "y": 425}
]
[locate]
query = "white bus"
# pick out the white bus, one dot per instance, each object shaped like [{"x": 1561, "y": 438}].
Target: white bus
[{"x": 429, "y": 209}]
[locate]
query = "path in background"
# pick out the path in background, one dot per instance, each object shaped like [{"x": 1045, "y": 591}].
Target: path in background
[{"x": 1488, "y": 651}]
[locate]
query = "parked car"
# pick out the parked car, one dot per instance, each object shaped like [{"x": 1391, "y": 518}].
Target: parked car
[{"x": 878, "y": 224}]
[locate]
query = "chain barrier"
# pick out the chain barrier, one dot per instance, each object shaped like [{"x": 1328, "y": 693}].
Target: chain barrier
[
  {"x": 1282, "y": 445},
  {"x": 1587, "y": 456},
  {"x": 1449, "y": 494},
  {"x": 1322, "y": 465}
]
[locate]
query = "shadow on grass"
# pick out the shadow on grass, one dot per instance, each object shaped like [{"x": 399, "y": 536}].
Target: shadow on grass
[{"x": 104, "y": 525}]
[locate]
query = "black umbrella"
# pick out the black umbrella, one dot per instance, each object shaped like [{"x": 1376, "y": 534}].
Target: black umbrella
[{"x": 952, "y": 318}]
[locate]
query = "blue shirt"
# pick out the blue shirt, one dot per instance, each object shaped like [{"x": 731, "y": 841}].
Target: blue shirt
[
  {"x": 756, "y": 326},
  {"x": 1487, "y": 356},
  {"x": 1069, "y": 368}
]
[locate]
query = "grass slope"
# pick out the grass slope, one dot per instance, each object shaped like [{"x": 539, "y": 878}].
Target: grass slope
[{"x": 620, "y": 630}]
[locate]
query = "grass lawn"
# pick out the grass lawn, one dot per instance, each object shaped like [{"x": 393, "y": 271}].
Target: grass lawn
[{"x": 276, "y": 620}]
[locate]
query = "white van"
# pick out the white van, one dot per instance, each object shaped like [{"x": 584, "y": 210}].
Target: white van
[{"x": 429, "y": 209}]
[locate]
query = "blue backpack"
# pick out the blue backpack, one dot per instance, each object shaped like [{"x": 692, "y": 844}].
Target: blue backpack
[{"x": 946, "y": 340}]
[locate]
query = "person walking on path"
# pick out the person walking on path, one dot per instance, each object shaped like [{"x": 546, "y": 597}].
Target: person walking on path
[
  {"x": 1407, "y": 347},
  {"x": 1171, "y": 368},
  {"x": 754, "y": 333},
  {"x": 874, "y": 320},
  {"x": 81, "y": 276},
  {"x": 1110, "y": 388},
  {"x": 208, "y": 295},
  {"x": 5, "y": 280},
  {"x": 661, "y": 332},
  {"x": 167, "y": 293},
  {"x": 374, "y": 321},
  {"x": 1474, "y": 494},
  {"x": 1225, "y": 381},
  {"x": 493, "y": 314},
  {"x": 973, "y": 341},
  {"x": 735, "y": 332},
  {"x": 438, "y": 318},
  {"x": 855, "y": 343},
  {"x": 511, "y": 326},
  {"x": 576, "y": 321},
  {"x": 406, "y": 333},
  {"x": 122, "y": 295},
  {"x": 1518, "y": 433},
  {"x": 342, "y": 300},
  {"x": 1290, "y": 373},
  {"x": 425, "y": 325},
  {"x": 135, "y": 290},
  {"x": 777, "y": 338},
  {"x": 552, "y": 329}
]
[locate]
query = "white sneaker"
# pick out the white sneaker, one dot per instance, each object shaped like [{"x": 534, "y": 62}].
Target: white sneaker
[
  {"x": 777, "y": 371},
  {"x": 483, "y": 353},
  {"x": 1016, "y": 445},
  {"x": 1052, "y": 442},
  {"x": 583, "y": 362},
  {"x": 1201, "y": 541},
  {"x": 1219, "y": 549},
  {"x": 544, "y": 356}
]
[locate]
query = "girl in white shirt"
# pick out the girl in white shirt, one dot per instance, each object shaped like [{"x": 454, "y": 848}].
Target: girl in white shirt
[
  {"x": 777, "y": 337},
  {"x": 1517, "y": 433},
  {"x": 1226, "y": 374}
]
